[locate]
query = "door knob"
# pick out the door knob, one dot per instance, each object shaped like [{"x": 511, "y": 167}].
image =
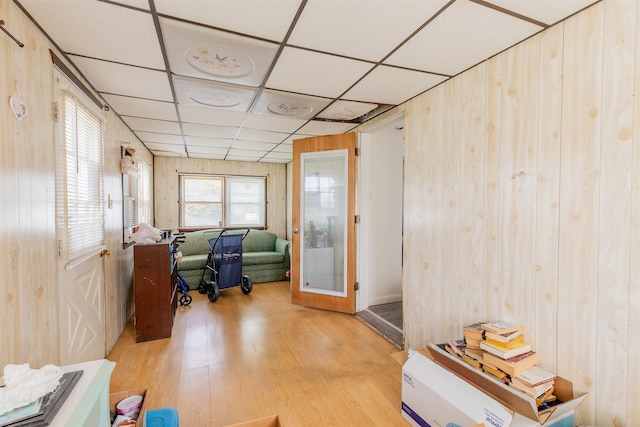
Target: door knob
[
  {"x": 295, "y": 229},
  {"x": 105, "y": 252}
]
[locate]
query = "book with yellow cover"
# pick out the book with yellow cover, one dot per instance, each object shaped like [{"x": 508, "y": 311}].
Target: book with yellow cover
[
  {"x": 520, "y": 348},
  {"x": 506, "y": 345}
]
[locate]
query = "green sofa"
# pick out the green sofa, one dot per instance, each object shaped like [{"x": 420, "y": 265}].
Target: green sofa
[{"x": 265, "y": 256}]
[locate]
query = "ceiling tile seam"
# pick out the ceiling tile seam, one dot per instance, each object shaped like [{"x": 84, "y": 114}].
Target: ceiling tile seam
[
  {"x": 116, "y": 62},
  {"x": 126, "y": 6},
  {"x": 270, "y": 70},
  {"x": 165, "y": 58},
  {"x": 510, "y": 13}
]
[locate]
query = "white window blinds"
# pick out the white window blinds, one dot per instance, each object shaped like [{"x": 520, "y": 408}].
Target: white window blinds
[{"x": 83, "y": 178}]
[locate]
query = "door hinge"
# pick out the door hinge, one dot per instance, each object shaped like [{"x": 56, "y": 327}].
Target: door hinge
[
  {"x": 56, "y": 112},
  {"x": 356, "y": 286},
  {"x": 357, "y": 219},
  {"x": 357, "y": 151}
]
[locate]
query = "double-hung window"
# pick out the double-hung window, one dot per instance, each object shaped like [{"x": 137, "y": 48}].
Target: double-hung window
[{"x": 222, "y": 201}]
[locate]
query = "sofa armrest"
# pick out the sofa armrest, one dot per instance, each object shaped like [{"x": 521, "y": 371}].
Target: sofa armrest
[{"x": 282, "y": 246}]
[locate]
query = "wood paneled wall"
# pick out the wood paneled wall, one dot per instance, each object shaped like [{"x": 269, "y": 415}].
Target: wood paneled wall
[
  {"x": 166, "y": 185},
  {"x": 28, "y": 267},
  {"x": 522, "y": 202}
]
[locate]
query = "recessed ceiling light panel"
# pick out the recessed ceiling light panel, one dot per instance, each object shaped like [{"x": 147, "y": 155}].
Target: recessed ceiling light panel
[
  {"x": 219, "y": 61},
  {"x": 214, "y": 98},
  {"x": 289, "y": 104},
  {"x": 290, "y": 108},
  {"x": 346, "y": 110}
]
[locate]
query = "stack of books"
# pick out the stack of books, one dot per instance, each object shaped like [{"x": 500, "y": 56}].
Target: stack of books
[
  {"x": 500, "y": 349},
  {"x": 537, "y": 383},
  {"x": 506, "y": 349}
]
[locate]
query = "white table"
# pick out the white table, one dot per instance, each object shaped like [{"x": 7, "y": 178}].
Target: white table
[{"x": 88, "y": 403}]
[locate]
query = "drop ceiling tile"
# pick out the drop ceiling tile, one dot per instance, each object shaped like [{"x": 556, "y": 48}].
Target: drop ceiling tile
[
  {"x": 269, "y": 20},
  {"x": 126, "y": 106},
  {"x": 128, "y": 36},
  {"x": 205, "y": 53},
  {"x": 252, "y": 154},
  {"x": 253, "y": 145},
  {"x": 284, "y": 148},
  {"x": 167, "y": 149},
  {"x": 315, "y": 73},
  {"x": 140, "y": 4},
  {"x": 390, "y": 85},
  {"x": 210, "y": 116},
  {"x": 122, "y": 79},
  {"x": 267, "y": 160},
  {"x": 341, "y": 27},
  {"x": 192, "y": 129},
  {"x": 207, "y": 156},
  {"x": 162, "y": 153},
  {"x": 273, "y": 123},
  {"x": 318, "y": 127},
  {"x": 178, "y": 148},
  {"x": 278, "y": 155},
  {"x": 251, "y": 159},
  {"x": 150, "y": 125},
  {"x": 462, "y": 36},
  {"x": 218, "y": 151},
  {"x": 346, "y": 110},
  {"x": 261, "y": 135},
  {"x": 546, "y": 11},
  {"x": 198, "y": 141},
  {"x": 162, "y": 138},
  {"x": 206, "y": 93},
  {"x": 289, "y": 104}
]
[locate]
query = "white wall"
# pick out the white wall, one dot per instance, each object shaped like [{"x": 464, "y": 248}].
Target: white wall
[{"x": 380, "y": 202}]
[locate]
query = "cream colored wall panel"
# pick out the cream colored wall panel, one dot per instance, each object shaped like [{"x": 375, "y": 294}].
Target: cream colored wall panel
[
  {"x": 167, "y": 169},
  {"x": 446, "y": 150},
  {"x": 518, "y": 175},
  {"x": 633, "y": 356},
  {"x": 579, "y": 204},
  {"x": 472, "y": 188},
  {"x": 492, "y": 189},
  {"x": 29, "y": 320},
  {"x": 547, "y": 197},
  {"x": 616, "y": 157}
]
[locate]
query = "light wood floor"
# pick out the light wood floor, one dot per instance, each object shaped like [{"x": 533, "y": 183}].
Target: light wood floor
[{"x": 249, "y": 356}]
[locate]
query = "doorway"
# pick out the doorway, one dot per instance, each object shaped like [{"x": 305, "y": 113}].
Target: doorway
[{"x": 380, "y": 206}]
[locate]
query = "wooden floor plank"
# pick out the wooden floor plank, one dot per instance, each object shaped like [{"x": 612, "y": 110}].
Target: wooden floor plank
[{"x": 250, "y": 356}]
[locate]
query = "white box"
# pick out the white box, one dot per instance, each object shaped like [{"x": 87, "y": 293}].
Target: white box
[{"x": 440, "y": 390}]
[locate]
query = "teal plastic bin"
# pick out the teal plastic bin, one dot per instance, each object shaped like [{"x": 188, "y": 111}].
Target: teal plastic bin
[{"x": 163, "y": 417}]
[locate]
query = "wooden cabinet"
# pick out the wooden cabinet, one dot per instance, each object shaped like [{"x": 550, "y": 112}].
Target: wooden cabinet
[{"x": 155, "y": 289}]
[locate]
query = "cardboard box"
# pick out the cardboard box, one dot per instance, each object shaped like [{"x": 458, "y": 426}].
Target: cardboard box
[
  {"x": 438, "y": 389},
  {"x": 270, "y": 421},
  {"x": 116, "y": 397}
]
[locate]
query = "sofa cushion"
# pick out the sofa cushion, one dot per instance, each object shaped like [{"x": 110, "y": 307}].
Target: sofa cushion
[
  {"x": 193, "y": 262},
  {"x": 256, "y": 258},
  {"x": 195, "y": 244},
  {"x": 259, "y": 241}
]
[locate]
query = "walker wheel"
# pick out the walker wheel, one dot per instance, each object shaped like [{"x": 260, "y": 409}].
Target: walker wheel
[
  {"x": 202, "y": 289},
  {"x": 185, "y": 299},
  {"x": 213, "y": 292},
  {"x": 246, "y": 285}
]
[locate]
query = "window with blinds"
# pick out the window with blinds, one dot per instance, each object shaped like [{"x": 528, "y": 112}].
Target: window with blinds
[{"x": 83, "y": 175}]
